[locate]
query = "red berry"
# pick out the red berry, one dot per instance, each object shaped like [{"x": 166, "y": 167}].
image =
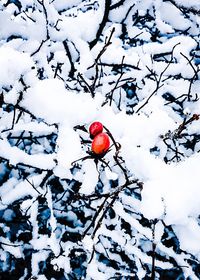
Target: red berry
[
  {"x": 95, "y": 128},
  {"x": 100, "y": 143}
]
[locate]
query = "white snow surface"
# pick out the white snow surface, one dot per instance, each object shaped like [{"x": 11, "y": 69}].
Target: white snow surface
[
  {"x": 11, "y": 59},
  {"x": 171, "y": 186},
  {"x": 171, "y": 191}
]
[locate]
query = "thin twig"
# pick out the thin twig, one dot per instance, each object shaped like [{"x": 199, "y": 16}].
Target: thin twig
[{"x": 158, "y": 86}]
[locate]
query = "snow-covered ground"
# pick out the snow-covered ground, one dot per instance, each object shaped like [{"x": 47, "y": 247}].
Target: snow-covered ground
[{"x": 64, "y": 212}]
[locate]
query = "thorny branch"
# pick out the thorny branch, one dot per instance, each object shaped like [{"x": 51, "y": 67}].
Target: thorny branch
[
  {"x": 106, "y": 205},
  {"x": 183, "y": 126},
  {"x": 104, "y": 199}
]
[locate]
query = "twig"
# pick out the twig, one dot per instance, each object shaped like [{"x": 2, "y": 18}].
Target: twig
[
  {"x": 32, "y": 186},
  {"x": 38, "y": 49},
  {"x": 72, "y": 70},
  {"x": 46, "y": 18},
  {"x": 107, "y": 43},
  {"x": 195, "y": 77},
  {"x": 158, "y": 86},
  {"x": 118, "y": 66},
  {"x": 102, "y": 24},
  {"x": 117, "y": 82},
  {"x": 95, "y": 216},
  {"x": 182, "y": 126},
  {"x": 117, "y": 5},
  {"x": 87, "y": 85},
  {"x": 153, "y": 252}
]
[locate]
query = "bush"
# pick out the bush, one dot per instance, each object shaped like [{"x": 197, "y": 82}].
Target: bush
[{"x": 132, "y": 211}]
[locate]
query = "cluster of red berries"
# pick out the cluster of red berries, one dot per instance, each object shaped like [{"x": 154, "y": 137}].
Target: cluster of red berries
[{"x": 101, "y": 141}]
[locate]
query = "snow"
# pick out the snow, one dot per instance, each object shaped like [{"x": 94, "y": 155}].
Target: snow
[
  {"x": 172, "y": 190},
  {"x": 98, "y": 211},
  {"x": 193, "y": 3},
  {"x": 174, "y": 17},
  {"x": 11, "y": 59},
  {"x": 61, "y": 262},
  {"x": 21, "y": 190},
  {"x": 53, "y": 242},
  {"x": 15, "y": 251},
  {"x": 189, "y": 236},
  {"x": 36, "y": 258},
  {"x": 17, "y": 156},
  {"x": 49, "y": 100},
  {"x": 8, "y": 215},
  {"x": 90, "y": 178}
]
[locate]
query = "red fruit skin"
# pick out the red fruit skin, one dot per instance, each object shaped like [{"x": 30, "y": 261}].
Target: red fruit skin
[
  {"x": 95, "y": 128},
  {"x": 100, "y": 143}
]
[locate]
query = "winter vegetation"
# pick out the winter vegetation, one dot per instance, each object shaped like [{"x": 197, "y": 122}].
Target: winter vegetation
[{"x": 70, "y": 209}]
